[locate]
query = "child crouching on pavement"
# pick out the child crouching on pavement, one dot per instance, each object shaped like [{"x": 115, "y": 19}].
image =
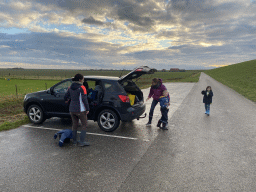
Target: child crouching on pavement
[{"x": 164, "y": 104}]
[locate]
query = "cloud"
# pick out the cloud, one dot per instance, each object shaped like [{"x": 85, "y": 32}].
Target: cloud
[
  {"x": 126, "y": 63},
  {"x": 218, "y": 65},
  {"x": 92, "y": 21},
  {"x": 129, "y": 13},
  {"x": 115, "y": 32},
  {"x": 4, "y": 46}
]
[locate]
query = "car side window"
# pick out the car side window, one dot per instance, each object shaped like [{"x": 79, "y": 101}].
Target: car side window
[
  {"x": 111, "y": 87},
  {"x": 63, "y": 87},
  {"x": 91, "y": 84}
]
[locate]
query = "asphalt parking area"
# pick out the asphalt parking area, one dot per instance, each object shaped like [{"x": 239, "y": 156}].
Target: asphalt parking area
[{"x": 33, "y": 161}]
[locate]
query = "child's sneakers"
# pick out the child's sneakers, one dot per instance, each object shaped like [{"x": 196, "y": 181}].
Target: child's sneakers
[
  {"x": 159, "y": 123},
  {"x": 164, "y": 126}
]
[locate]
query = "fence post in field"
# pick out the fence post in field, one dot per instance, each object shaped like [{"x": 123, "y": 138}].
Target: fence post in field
[
  {"x": 45, "y": 86},
  {"x": 16, "y": 91}
]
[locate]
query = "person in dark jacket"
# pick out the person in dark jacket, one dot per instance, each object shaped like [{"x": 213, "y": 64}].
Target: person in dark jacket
[
  {"x": 78, "y": 108},
  {"x": 207, "y": 100},
  {"x": 156, "y": 91}
]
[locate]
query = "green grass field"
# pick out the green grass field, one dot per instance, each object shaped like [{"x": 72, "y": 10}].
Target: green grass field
[
  {"x": 58, "y": 74},
  {"x": 33, "y": 83},
  {"x": 241, "y": 77},
  {"x": 24, "y": 86}
]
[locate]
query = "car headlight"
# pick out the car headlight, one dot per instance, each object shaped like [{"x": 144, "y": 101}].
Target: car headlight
[{"x": 25, "y": 98}]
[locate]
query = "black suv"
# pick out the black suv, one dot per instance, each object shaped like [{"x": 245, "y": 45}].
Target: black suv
[{"x": 111, "y": 99}]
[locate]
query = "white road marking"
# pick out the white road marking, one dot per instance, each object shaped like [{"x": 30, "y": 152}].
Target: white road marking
[
  {"x": 40, "y": 127},
  {"x": 98, "y": 134}
]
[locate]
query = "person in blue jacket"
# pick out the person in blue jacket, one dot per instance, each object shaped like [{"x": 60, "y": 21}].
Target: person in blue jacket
[
  {"x": 64, "y": 135},
  {"x": 207, "y": 100},
  {"x": 164, "y": 104},
  {"x": 78, "y": 108}
]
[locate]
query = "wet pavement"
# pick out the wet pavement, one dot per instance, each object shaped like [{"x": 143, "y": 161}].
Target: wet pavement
[
  {"x": 201, "y": 153},
  {"x": 31, "y": 159},
  {"x": 197, "y": 153}
]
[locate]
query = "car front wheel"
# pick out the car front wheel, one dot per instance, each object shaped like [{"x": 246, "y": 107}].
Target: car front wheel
[
  {"x": 35, "y": 114},
  {"x": 108, "y": 120}
]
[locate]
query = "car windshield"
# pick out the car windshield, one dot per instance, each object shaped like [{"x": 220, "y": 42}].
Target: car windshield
[{"x": 63, "y": 87}]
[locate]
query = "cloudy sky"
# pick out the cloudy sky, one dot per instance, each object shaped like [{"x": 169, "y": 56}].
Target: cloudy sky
[{"x": 124, "y": 34}]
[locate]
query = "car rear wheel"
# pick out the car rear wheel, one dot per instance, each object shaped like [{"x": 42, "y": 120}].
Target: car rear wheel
[
  {"x": 35, "y": 114},
  {"x": 108, "y": 120}
]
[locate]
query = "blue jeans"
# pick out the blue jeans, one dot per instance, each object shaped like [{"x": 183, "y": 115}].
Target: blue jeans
[{"x": 207, "y": 108}]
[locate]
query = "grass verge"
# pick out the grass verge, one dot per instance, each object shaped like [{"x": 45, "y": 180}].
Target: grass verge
[
  {"x": 241, "y": 77},
  {"x": 11, "y": 125}
]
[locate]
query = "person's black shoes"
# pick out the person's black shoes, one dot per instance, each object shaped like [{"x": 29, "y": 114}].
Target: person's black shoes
[{"x": 82, "y": 144}]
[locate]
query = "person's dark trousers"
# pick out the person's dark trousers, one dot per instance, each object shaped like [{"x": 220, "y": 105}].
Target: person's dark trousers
[
  {"x": 164, "y": 118},
  {"x": 75, "y": 120},
  {"x": 151, "y": 112}
]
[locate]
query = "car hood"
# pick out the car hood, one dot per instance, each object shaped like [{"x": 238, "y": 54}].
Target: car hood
[
  {"x": 38, "y": 93},
  {"x": 137, "y": 72}
]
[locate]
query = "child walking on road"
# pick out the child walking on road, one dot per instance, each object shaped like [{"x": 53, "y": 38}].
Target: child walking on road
[
  {"x": 164, "y": 104},
  {"x": 207, "y": 100}
]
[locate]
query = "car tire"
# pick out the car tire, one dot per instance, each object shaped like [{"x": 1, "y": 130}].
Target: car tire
[
  {"x": 35, "y": 114},
  {"x": 108, "y": 120}
]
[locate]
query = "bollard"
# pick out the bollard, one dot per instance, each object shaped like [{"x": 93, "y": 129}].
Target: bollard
[{"x": 16, "y": 91}]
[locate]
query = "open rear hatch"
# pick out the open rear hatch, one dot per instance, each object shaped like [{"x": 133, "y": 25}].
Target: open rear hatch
[
  {"x": 137, "y": 72},
  {"x": 130, "y": 87}
]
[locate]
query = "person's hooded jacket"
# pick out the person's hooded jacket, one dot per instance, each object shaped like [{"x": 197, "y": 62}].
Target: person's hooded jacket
[
  {"x": 157, "y": 90},
  {"x": 77, "y": 95},
  {"x": 207, "y": 97}
]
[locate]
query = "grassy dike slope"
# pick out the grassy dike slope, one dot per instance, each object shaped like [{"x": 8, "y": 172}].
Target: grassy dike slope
[{"x": 241, "y": 77}]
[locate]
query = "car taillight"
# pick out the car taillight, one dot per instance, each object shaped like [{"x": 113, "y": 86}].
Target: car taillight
[
  {"x": 124, "y": 98},
  {"x": 139, "y": 69}
]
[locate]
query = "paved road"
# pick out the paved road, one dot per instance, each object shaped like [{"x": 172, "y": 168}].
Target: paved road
[
  {"x": 31, "y": 159},
  {"x": 198, "y": 153}
]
